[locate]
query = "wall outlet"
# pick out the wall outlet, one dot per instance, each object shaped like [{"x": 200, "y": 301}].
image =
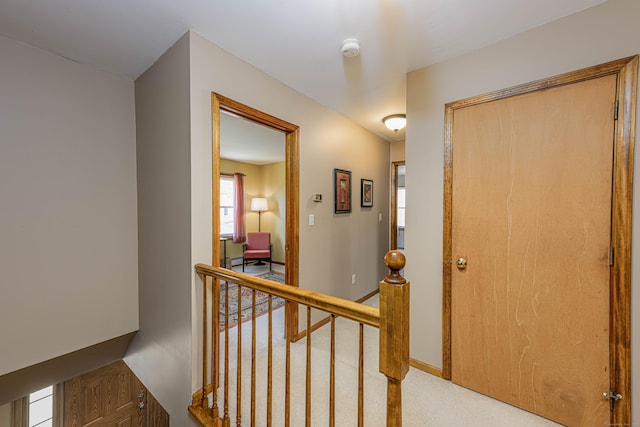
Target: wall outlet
[
  {"x": 380, "y": 217},
  {"x": 353, "y": 279},
  {"x": 316, "y": 197}
]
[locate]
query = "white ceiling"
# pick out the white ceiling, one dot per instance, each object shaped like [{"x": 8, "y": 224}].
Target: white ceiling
[
  {"x": 297, "y": 42},
  {"x": 249, "y": 142}
]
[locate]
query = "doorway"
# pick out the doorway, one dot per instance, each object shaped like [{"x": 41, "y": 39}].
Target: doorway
[
  {"x": 531, "y": 267},
  {"x": 398, "y": 206},
  {"x": 257, "y": 154},
  {"x": 221, "y": 104}
]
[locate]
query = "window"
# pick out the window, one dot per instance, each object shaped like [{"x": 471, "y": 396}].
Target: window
[
  {"x": 227, "y": 204},
  {"x": 401, "y": 205},
  {"x": 41, "y": 408}
]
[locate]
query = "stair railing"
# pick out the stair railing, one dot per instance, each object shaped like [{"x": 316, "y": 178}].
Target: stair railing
[{"x": 392, "y": 319}]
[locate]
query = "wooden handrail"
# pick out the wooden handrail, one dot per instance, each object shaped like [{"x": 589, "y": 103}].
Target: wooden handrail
[
  {"x": 333, "y": 305},
  {"x": 392, "y": 320}
]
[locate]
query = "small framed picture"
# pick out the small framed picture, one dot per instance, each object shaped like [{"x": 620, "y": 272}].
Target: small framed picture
[
  {"x": 342, "y": 190},
  {"x": 366, "y": 193}
]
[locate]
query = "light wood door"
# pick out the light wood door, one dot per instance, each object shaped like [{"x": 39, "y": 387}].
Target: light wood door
[
  {"x": 531, "y": 215},
  {"x": 108, "y": 397}
]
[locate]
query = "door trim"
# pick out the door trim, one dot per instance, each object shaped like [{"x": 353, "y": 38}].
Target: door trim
[
  {"x": 626, "y": 70},
  {"x": 292, "y": 186}
]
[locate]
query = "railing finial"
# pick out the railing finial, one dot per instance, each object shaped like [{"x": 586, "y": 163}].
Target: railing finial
[{"x": 395, "y": 261}]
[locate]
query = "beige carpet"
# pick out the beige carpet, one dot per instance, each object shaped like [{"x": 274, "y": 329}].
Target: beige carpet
[{"x": 427, "y": 400}]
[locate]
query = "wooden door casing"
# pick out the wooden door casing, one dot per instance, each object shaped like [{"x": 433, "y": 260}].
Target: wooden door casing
[
  {"x": 625, "y": 70},
  {"x": 532, "y": 216}
]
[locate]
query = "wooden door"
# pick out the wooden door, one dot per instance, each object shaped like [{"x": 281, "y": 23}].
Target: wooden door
[
  {"x": 107, "y": 397},
  {"x": 531, "y": 216}
]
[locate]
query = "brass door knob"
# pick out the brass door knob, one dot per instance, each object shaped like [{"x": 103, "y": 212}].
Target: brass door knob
[{"x": 461, "y": 263}]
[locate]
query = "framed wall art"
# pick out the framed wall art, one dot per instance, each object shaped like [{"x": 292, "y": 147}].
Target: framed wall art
[
  {"x": 366, "y": 193},
  {"x": 342, "y": 190}
]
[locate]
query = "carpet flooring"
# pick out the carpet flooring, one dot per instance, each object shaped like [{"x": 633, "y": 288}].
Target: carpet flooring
[
  {"x": 262, "y": 300},
  {"x": 427, "y": 400}
]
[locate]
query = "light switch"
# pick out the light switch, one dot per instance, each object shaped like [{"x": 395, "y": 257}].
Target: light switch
[
  {"x": 380, "y": 217},
  {"x": 312, "y": 219}
]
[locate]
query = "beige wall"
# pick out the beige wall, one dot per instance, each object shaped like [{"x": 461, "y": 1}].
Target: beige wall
[
  {"x": 397, "y": 151},
  {"x": 338, "y": 245},
  {"x": 603, "y": 33},
  {"x": 262, "y": 181},
  {"x": 173, "y": 119},
  {"x": 68, "y": 232},
  {"x": 161, "y": 355},
  {"x": 5, "y": 415},
  {"x": 274, "y": 221}
]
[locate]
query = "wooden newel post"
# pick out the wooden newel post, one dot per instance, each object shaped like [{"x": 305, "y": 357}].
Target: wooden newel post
[{"x": 394, "y": 334}]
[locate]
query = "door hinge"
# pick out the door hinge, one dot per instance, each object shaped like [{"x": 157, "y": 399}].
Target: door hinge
[
  {"x": 612, "y": 397},
  {"x": 615, "y": 110},
  {"x": 611, "y": 254}
]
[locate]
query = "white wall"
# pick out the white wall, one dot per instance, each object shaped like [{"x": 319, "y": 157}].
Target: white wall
[
  {"x": 603, "y": 33},
  {"x": 160, "y": 355},
  {"x": 68, "y": 245}
]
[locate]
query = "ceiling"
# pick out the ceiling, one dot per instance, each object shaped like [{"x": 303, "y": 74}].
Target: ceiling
[
  {"x": 296, "y": 42},
  {"x": 249, "y": 142}
]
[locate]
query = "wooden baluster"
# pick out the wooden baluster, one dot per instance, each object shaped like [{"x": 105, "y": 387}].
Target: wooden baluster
[
  {"x": 226, "y": 355},
  {"x": 239, "y": 370},
  {"x": 215, "y": 340},
  {"x": 308, "y": 391},
  {"x": 394, "y": 334},
  {"x": 332, "y": 375},
  {"x": 204, "y": 402},
  {"x": 287, "y": 383},
  {"x": 361, "y": 378},
  {"x": 253, "y": 358},
  {"x": 269, "y": 364}
]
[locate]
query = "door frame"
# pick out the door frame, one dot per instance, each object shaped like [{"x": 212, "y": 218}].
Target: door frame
[
  {"x": 394, "y": 204},
  {"x": 626, "y": 70},
  {"x": 292, "y": 185}
]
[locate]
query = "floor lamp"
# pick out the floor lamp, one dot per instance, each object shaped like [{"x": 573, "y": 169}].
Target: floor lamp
[{"x": 259, "y": 204}]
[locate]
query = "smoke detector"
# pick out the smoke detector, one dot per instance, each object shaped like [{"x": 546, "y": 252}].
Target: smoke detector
[{"x": 350, "y": 48}]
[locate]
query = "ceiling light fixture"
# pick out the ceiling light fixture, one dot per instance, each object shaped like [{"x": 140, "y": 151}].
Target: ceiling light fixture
[
  {"x": 350, "y": 48},
  {"x": 395, "y": 122}
]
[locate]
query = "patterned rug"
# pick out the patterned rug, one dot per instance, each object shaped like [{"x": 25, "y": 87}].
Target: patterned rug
[{"x": 262, "y": 300}]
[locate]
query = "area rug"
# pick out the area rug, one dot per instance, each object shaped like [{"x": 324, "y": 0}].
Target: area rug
[{"x": 262, "y": 300}]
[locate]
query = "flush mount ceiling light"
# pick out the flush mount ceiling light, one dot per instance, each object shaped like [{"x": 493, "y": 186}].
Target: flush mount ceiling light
[
  {"x": 350, "y": 48},
  {"x": 395, "y": 122}
]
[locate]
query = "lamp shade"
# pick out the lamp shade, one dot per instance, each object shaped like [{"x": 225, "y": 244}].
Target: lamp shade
[
  {"x": 395, "y": 122},
  {"x": 259, "y": 204}
]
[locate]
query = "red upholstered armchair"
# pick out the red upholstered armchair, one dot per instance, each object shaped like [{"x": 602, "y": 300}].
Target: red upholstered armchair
[{"x": 258, "y": 247}]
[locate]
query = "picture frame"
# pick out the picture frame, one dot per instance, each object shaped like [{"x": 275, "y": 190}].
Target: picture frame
[
  {"x": 366, "y": 193},
  {"x": 342, "y": 191}
]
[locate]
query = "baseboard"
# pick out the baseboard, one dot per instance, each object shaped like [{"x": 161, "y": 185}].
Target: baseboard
[
  {"x": 239, "y": 264},
  {"x": 367, "y": 296},
  {"x": 425, "y": 367},
  {"x": 327, "y": 319}
]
